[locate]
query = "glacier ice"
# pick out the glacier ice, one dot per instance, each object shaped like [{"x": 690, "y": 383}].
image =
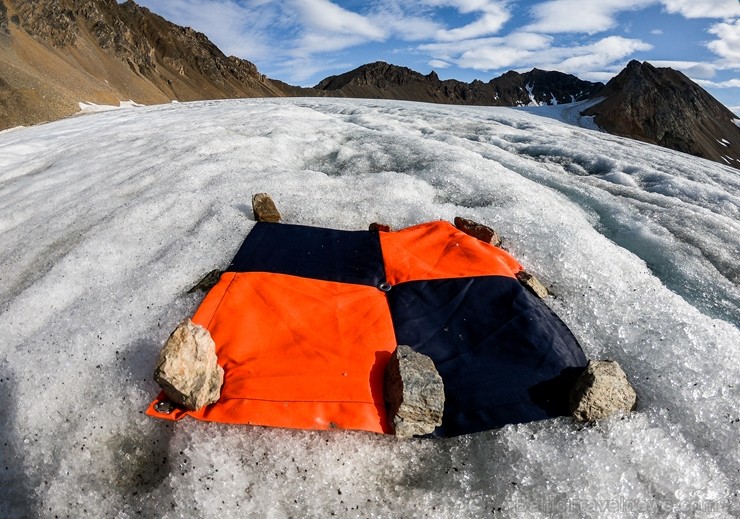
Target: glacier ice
[{"x": 107, "y": 219}]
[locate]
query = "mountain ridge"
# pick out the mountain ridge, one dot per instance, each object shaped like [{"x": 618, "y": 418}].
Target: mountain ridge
[
  {"x": 377, "y": 79},
  {"x": 55, "y": 54}
]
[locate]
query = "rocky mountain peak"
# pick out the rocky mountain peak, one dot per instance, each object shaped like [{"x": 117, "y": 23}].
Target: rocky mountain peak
[
  {"x": 663, "y": 106},
  {"x": 3, "y": 18},
  {"x": 541, "y": 87},
  {"x": 378, "y": 74},
  {"x": 101, "y": 51},
  {"x": 50, "y": 20}
]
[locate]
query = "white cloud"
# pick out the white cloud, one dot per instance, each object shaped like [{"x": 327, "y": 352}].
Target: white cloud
[
  {"x": 597, "y": 55},
  {"x": 727, "y": 46},
  {"x": 656, "y": 32},
  {"x": 325, "y": 16},
  {"x": 730, "y": 83},
  {"x": 528, "y": 40},
  {"x": 493, "y": 58},
  {"x": 404, "y": 21},
  {"x": 693, "y": 69},
  {"x": 527, "y": 50},
  {"x": 703, "y": 8},
  {"x": 557, "y": 16},
  {"x": 494, "y": 14},
  {"x": 438, "y": 63},
  {"x": 238, "y": 28},
  {"x": 489, "y": 53},
  {"x": 489, "y": 23},
  {"x": 465, "y": 6},
  {"x": 314, "y": 43}
]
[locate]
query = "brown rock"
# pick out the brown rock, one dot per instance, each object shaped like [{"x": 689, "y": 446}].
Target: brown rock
[
  {"x": 477, "y": 230},
  {"x": 381, "y": 227},
  {"x": 602, "y": 390},
  {"x": 187, "y": 368},
  {"x": 264, "y": 208},
  {"x": 414, "y": 393},
  {"x": 533, "y": 284},
  {"x": 209, "y": 281}
]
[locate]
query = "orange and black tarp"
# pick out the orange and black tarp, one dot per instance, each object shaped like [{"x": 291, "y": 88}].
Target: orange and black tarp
[{"x": 305, "y": 320}]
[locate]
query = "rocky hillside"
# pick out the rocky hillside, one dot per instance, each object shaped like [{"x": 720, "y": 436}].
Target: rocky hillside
[
  {"x": 56, "y": 53},
  {"x": 662, "y": 106},
  {"x": 380, "y": 80}
]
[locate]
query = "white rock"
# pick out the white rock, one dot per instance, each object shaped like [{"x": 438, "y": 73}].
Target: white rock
[
  {"x": 602, "y": 390},
  {"x": 187, "y": 369},
  {"x": 533, "y": 284},
  {"x": 414, "y": 393}
]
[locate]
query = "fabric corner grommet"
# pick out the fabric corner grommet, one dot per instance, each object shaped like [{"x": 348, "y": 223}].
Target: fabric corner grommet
[{"x": 164, "y": 407}]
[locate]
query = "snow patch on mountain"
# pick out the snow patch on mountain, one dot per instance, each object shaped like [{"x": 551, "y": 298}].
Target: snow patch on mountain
[
  {"x": 89, "y": 108},
  {"x": 569, "y": 113}
]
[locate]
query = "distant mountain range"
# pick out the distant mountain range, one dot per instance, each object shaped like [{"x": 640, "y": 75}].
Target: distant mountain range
[
  {"x": 383, "y": 81},
  {"x": 56, "y": 53}
]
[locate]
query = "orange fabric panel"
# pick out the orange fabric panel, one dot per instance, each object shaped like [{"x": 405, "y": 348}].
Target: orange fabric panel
[
  {"x": 297, "y": 352},
  {"x": 438, "y": 250}
]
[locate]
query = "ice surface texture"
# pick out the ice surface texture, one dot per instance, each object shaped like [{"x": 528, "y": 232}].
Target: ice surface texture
[{"x": 107, "y": 219}]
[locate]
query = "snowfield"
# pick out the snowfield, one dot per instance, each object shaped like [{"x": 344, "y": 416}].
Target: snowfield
[{"x": 106, "y": 220}]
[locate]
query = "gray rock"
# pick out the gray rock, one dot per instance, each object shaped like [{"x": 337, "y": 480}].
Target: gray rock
[
  {"x": 602, "y": 390},
  {"x": 264, "y": 208},
  {"x": 187, "y": 368},
  {"x": 478, "y": 230},
  {"x": 533, "y": 284},
  {"x": 414, "y": 393}
]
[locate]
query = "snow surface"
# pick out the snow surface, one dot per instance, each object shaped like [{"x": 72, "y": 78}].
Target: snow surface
[{"x": 107, "y": 220}]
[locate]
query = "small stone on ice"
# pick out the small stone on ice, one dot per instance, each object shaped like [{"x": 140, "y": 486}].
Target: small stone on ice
[
  {"x": 380, "y": 227},
  {"x": 414, "y": 393},
  {"x": 533, "y": 284},
  {"x": 264, "y": 208},
  {"x": 478, "y": 230},
  {"x": 602, "y": 390},
  {"x": 208, "y": 282},
  {"x": 187, "y": 369}
]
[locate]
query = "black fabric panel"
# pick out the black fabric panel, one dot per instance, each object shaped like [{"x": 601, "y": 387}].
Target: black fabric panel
[
  {"x": 312, "y": 252},
  {"x": 503, "y": 355}
]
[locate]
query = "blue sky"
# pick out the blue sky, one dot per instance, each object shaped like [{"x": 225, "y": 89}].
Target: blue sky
[{"x": 303, "y": 41}]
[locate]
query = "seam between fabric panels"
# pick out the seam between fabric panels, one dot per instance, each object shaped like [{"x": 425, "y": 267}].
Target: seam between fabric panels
[
  {"x": 384, "y": 275},
  {"x": 220, "y": 301},
  {"x": 259, "y": 231}
]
